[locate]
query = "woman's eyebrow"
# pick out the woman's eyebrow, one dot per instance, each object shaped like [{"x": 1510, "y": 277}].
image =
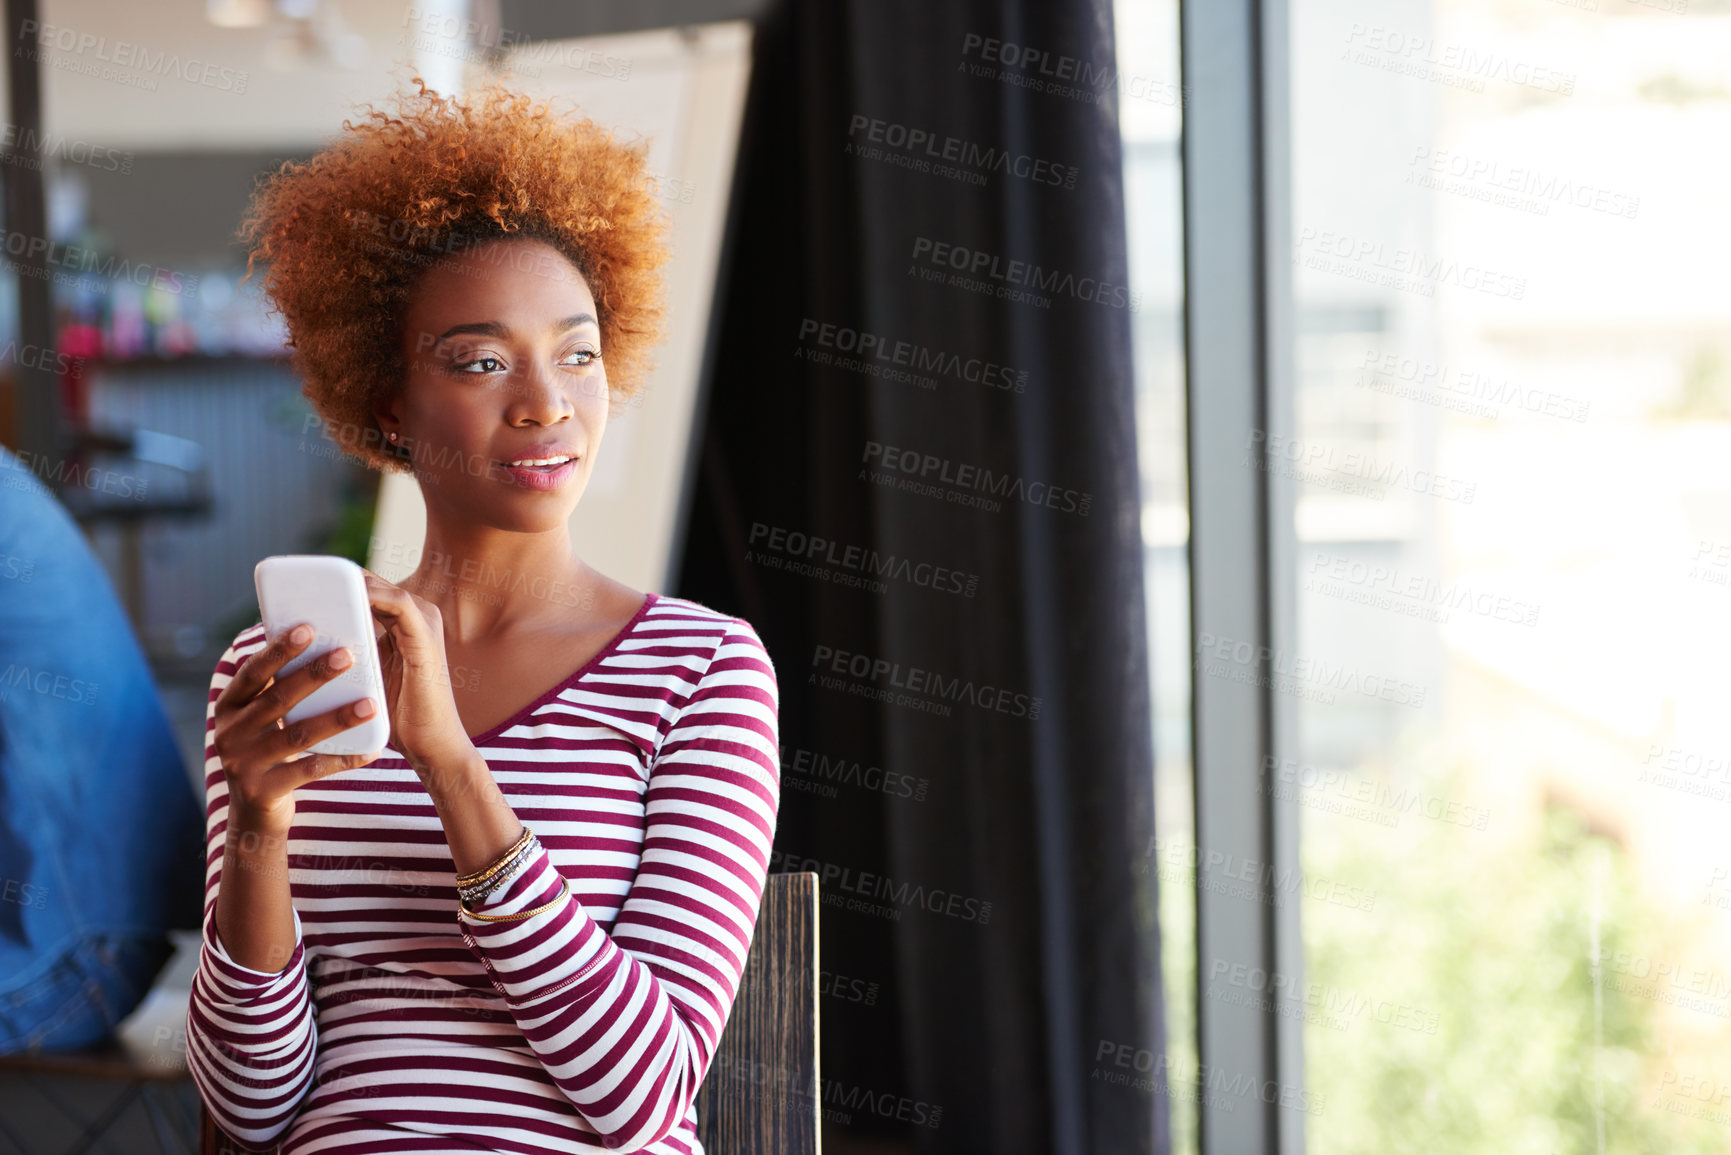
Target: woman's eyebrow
[
  {"x": 481, "y": 328},
  {"x": 496, "y": 329}
]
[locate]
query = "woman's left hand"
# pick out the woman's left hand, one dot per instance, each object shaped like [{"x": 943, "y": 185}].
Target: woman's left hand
[{"x": 425, "y": 726}]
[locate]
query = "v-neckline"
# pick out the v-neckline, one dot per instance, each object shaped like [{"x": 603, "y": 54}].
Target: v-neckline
[{"x": 649, "y": 599}]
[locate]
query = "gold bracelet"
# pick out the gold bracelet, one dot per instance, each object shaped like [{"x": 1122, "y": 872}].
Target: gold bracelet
[
  {"x": 564, "y": 889},
  {"x": 498, "y": 863},
  {"x": 476, "y": 892},
  {"x": 494, "y": 867}
]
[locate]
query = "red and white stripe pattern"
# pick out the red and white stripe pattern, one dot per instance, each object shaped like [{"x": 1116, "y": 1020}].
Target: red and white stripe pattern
[{"x": 652, "y": 780}]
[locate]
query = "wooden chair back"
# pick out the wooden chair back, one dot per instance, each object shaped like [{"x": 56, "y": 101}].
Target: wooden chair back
[{"x": 762, "y": 1094}]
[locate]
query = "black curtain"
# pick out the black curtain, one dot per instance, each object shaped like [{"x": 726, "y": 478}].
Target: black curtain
[{"x": 919, "y": 483}]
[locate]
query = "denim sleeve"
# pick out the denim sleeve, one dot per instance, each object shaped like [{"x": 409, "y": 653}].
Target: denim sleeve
[
  {"x": 251, "y": 1038},
  {"x": 85, "y": 745}
]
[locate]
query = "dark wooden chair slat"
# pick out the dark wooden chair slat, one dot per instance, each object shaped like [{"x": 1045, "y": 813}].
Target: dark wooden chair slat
[{"x": 761, "y": 1093}]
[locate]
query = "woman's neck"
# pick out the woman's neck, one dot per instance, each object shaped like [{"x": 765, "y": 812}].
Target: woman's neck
[{"x": 498, "y": 582}]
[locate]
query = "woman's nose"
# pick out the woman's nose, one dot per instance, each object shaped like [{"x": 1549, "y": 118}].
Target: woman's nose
[{"x": 537, "y": 395}]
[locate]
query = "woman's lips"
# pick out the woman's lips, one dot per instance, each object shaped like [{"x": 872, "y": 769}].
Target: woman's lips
[{"x": 544, "y": 477}]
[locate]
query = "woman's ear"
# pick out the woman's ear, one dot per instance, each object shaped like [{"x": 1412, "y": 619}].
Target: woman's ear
[{"x": 390, "y": 426}]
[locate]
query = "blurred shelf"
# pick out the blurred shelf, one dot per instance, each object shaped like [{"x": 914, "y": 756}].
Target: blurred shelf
[
  {"x": 162, "y": 361},
  {"x": 184, "y": 361}
]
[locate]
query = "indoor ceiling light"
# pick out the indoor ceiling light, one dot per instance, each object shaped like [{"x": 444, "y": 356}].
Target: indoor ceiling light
[{"x": 236, "y": 13}]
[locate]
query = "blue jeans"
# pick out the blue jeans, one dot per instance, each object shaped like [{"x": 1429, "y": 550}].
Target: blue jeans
[
  {"x": 83, "y": 996},
  {"x": 102, "y": 845}
]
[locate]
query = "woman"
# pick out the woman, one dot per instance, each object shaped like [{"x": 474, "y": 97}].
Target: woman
[{"x": 519, "y": 927}]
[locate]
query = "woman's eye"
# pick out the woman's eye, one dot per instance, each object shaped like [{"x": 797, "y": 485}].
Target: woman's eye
[
  {"x": 486, "y": 365},
  {"x": 586, "y": 356}
]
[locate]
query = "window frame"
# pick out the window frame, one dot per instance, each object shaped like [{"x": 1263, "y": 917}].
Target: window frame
[{"x": 1239, "y": 366}]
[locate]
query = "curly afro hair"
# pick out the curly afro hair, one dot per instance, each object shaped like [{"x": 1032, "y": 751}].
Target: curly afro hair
[{"x": 345, "y": 235}]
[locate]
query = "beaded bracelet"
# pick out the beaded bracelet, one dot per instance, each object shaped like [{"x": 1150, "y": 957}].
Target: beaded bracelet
[
  {"x": 502, "y": 870},
  {"x": 488, "y": 871},
  {"x": 564, "y": 889},
  {"x": 492, "y": 867},
  {"x": 500, "y": 865},
  {"x": 478, "y": 892}
]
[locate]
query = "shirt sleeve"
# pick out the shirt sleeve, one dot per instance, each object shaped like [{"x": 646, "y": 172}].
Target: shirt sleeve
[
  {"x": 627, "y": 1022},
  {"x": 250, "y": 1035}
]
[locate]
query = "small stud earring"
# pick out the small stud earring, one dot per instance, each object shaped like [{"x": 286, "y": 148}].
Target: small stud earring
[{"x": 393, "y": 437}]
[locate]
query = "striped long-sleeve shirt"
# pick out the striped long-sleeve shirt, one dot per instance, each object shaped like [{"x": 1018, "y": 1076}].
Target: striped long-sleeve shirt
[{"x": 652, "y": 779}]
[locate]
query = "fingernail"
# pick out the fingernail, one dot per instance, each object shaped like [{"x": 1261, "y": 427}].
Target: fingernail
[
  {"x": 364, "y": 708},
  {"x": 341, "y": 659},
  {"x": 301, "y": 633}
]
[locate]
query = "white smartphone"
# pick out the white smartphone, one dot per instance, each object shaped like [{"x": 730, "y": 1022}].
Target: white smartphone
[{"x": 330, "y": 594}]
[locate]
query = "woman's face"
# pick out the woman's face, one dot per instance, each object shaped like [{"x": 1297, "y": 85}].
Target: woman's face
[{"x": 503, "y": 354}]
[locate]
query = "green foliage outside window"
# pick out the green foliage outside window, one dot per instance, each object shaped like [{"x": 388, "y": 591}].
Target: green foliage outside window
[{"x": 1465, "y": 1014}]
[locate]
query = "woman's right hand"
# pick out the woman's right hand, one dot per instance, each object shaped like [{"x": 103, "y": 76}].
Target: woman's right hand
[{"x": 261, "y": 754}]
